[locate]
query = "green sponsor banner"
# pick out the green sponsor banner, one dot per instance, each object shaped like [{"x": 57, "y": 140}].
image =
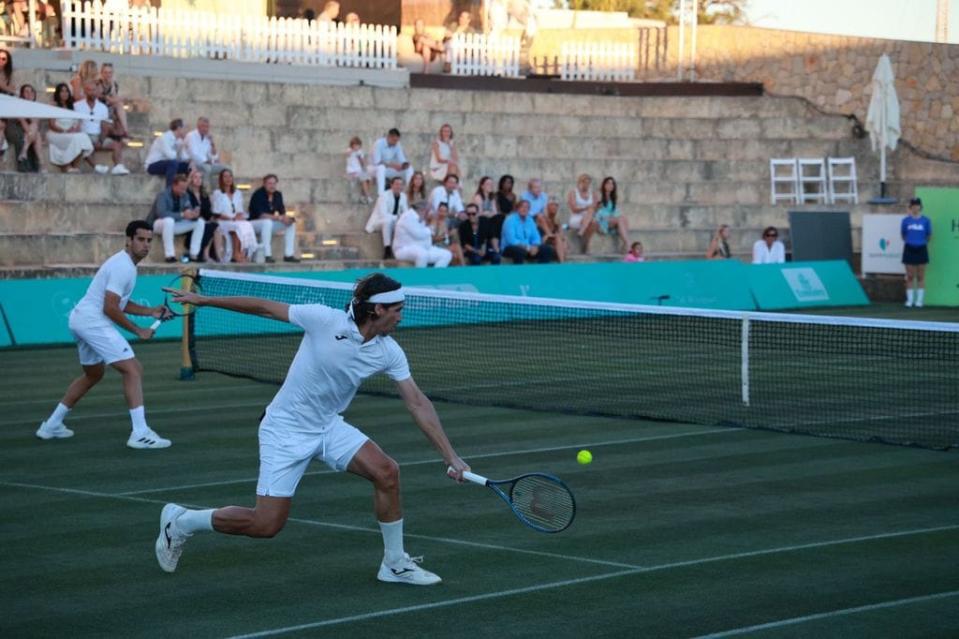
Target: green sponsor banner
[
  {"x": 941, "y": 206},
  {"x": 697, "y": 284},
  {"x": 37, "y": 310},
  {"x": 805, "y": 285}
]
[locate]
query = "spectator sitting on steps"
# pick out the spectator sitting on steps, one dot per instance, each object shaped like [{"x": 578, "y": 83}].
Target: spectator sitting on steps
[
  {"x": 387, "y": 210},
  {"x": 521, "y": 241},
  {"x": 413, "y": 241},
  {"x": 389, "y": 161},
  {"x": 202, "y": 149},
  {"x": 172, "y": 215},
  {"x": 769, "y": 250},
  {"x": 94, "y": 112},
  {"x": 167, "y": 155},
  {"x": 268, "y": 216}
]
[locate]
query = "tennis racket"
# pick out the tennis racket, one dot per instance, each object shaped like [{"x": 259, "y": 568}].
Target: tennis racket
[
  {"x": 174, "y": 308},
  {"x": 542, "y": 502}
]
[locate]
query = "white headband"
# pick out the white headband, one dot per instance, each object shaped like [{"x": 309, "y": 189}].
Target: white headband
[{"x": 389, "y": 297}]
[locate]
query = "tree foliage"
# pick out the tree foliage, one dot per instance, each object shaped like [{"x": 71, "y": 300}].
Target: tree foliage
[{"x": 710, "y": 11}]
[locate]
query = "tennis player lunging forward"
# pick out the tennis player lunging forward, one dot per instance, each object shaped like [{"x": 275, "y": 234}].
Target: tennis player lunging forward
[
  {"x": 92, "y": 320},
  {"x": 303, "y": 422}
]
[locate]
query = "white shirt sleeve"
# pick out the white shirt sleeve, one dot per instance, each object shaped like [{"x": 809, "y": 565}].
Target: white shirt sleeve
[
  {"x": 456, "y": 203},
  {"x": 238, "y": 202},
  {"x": 378, "y": 151},
  {"x": 400, "y": 156},
  {"x": 310, "y": 317},
  {"x": 758, "y": 252},
  {"x": 120, "y": 282},
  {"x": 220, "y": 204},
  {"x": 397, "y": 367},
  {"x": 778, "y": 253},
  {"x": 437, "y": 197},
  {"x": 194, "y": 147}
]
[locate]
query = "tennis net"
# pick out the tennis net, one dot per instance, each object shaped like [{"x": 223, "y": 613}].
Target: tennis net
[{"x": 865, "y": 379}]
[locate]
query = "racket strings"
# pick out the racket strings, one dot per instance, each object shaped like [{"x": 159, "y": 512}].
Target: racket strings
[{"x": 544, "y": 502}]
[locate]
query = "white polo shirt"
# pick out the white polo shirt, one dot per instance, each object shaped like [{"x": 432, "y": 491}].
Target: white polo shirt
[
  {"x": 330, "y": 364},
  {"x": 453, "y": 200},
  {"x": 763, "y": 254},
  {"x": 117, "y": 275},
  {"x": 94, "y": 115}
]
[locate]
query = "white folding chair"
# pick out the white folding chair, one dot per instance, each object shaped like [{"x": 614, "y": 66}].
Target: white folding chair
[
  {"x": 842, "y": 180},
  {"x": 812, "y": 181},
  {"x": 783, "y": 180}
]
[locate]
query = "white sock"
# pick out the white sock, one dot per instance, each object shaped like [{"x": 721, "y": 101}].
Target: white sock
[
  {"x": 909, "y": 296},
  {"x": 58, "y": 415},
  {"x": 139, "y": 420},
  {"x": 195, "y": 521},
  {"x": 920, "y": 294},
  {"x": 392, "y": 540}
]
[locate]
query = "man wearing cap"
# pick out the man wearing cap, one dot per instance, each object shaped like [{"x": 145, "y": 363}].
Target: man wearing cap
[
  {"x": 916, "y": 231},
  {"x": 339, "y": 350}
]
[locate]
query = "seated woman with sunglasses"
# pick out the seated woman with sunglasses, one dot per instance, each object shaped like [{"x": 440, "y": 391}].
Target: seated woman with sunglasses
[{"x": 769, "y": 250}]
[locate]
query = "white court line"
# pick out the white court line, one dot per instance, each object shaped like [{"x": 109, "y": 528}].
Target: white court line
[
  {"x": 506, "y": 593},
  {"x": 438, "y": 461},
  {"x": 150, "y": 412},
  {"x": 151, "y": 394},
  {"x": 347, "y": 527},
  {"x": 832, "y": 613},
  {"x": 572, "y": 582}
]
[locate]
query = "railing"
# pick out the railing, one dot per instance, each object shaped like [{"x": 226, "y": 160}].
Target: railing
[
  {"x": 597, "y": 61},
  {"x": 478, "y": 54},
  {"x": 203, "y": 34}
]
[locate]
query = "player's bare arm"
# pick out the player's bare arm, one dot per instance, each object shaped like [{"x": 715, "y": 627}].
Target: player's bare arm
[
  {"x": 249, "y": 305},
  {"x": 111, "y": 308},
  {"x": 159, "y": 312},
  {"x": 424, "y": 414}
]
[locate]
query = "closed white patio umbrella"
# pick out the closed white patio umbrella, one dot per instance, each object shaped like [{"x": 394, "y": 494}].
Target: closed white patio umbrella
[{"x": 882, "y": 120}]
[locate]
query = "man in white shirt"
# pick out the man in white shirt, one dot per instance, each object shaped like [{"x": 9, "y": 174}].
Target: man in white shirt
[
  {"x": 413, "y": 241},
  {"x": 201, "y": 150},
  {"x": 388, "y": 208},
  {"x": 304, "y": 422},
  {"x": 769, "y": 250},
  {"x": 167, "y": 155},
  {"x": 93, "y": 322},
  {"x": 448, "y": 193},
  {"x": 390, "y": 161},
  {"x": 94, "y": 112}
]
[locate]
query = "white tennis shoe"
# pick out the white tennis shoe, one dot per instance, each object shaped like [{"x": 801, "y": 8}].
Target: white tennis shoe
[
  {"x": 149, "y": 439},
  {"x": 407, "y": 571},
  {"x": 169, "y": 545},
  {"x": 53, "y": 431}
]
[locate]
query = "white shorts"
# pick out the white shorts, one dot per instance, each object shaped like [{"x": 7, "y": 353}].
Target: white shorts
[
  {"x": 283, "y": 462},
  {"x": 99, "y": 344},
  {"x": 576, "y": 220}
]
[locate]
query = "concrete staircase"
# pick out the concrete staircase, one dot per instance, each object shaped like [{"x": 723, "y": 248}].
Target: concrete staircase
[{"x": 684, "y": 165}]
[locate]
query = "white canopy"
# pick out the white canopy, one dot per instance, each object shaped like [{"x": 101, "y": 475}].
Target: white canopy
[
  {"x": 882, "y": 119},
  {"x": 11, "y": 107}
]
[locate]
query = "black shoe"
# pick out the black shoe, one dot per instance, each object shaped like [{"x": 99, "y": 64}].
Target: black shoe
[
  {"x": 269, "y": 259},
  {"x": 199, "y": 259},
  {"x": 171, "y": 260},
  {"x": 387, "y": 253},
  {"x": 291, "y": 258}
]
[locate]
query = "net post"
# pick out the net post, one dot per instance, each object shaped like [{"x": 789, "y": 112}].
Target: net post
[
  {"x": 744, "y": 356},
  {"x": 186, "y": 362}
]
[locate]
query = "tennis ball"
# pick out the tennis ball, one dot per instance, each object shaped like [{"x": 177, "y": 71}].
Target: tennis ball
[{"x": 584, "y": 457}]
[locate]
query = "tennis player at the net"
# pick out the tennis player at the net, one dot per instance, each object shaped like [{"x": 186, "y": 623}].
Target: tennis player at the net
[{"x": 303, "y": 422}]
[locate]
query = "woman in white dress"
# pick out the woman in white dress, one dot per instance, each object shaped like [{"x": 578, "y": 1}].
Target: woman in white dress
[
  {"x": 444, "y": 159},
  {"x": 68, "y": 144},
  {"x": 227, "y": 205},
  {"x": 582, "y": 207}
]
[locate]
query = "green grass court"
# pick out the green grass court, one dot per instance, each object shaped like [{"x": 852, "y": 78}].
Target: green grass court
[{"x": 682, "y": 530}]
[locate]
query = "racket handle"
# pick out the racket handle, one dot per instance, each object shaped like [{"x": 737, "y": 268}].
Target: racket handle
[
  {"x": 155, "y": 325},
  {"x": 470, "y": 477}
]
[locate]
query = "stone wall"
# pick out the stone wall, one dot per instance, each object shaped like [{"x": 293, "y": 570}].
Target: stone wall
[{"x": 835, "y": 72}]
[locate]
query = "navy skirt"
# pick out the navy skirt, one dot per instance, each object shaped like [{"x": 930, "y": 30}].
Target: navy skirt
[{"x": 915, "y": 254}]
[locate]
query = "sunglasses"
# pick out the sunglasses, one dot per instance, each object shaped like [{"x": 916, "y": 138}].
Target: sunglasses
[
  {"x": 771, "y": 235},
  {"x": 470, "y": 213}
]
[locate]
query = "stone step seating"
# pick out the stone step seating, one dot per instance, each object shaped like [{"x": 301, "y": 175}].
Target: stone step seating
[{"x": 683, "y": 165}]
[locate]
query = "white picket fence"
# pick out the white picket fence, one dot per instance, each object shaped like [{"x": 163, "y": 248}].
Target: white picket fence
[
  {"x": 478, "y": 54},
  {"x": 203, "y": 34},
  {"x": 597, "y": 61}
]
